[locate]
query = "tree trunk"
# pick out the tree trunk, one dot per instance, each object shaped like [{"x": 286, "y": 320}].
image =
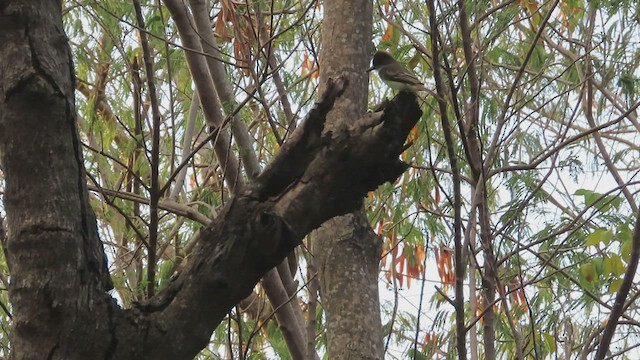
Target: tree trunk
[
  {"x": 346, "y": 249},
  {"x": 348, "y": 256},
  {"x": 53, "y": 250}
]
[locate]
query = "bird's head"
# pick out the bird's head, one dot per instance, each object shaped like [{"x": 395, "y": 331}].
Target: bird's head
[{"x": 381, "y": 58}]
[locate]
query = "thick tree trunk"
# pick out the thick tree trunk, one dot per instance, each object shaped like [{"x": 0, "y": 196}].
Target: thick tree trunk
[
  {"x": 58, "y": 268},
  {"x": 346, "y": 249},
  {"x": 59, "y": 278}
]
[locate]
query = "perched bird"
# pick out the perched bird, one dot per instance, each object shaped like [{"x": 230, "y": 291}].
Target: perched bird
[{"x": 394, "y": 74}]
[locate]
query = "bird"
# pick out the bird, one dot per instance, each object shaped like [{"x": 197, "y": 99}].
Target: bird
[{"x": 394, "y": 74}]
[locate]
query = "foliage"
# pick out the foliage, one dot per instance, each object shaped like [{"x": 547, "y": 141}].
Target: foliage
[{"x": 556, "y": 124}]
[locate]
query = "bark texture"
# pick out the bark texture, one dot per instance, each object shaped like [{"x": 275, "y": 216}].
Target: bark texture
[
  {"x": 348, "y": 253},
  {"x": 346, "y": 249},
  {"x": 59, "y": 278},
  {"x": 58, "y": 268}
]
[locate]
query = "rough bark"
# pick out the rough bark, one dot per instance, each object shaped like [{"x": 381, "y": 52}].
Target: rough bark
[
  {"x": 348, "y": 256},
  {"x": 55, "y": 256},
  {"x": 346, "y": 249},
  {"x": 59, "y": 278}
]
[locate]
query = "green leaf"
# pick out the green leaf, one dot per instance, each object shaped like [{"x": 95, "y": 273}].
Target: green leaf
[
  {"x": 625, "y": 250},
  {"x": 599, "y": 236},
  {"x": 599, "y": 264},
  {"x": 550, "y": 341},
  {"x": 617, "y": 267},
  {"x": 607, "y": 266},
  {"x": 588, "y": 272},
  {"x": 624, "y": 233},
  {"x": 615, "y": 285}
]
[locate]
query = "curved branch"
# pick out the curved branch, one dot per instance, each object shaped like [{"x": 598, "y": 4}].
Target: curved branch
[{"x": 317, "y": 175}]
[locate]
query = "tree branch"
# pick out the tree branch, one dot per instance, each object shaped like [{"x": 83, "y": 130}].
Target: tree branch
[
  {"x": 621, "y": 296},
  {"x": 317, "y": 175}
]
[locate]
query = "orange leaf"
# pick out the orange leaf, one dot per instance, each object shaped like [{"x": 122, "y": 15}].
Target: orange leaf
[
  {"x": 439, "y": 263},
  {"x": 388, "y": 34},
  {"x": 394, "y": 242},
  {"x": 221, "y": 28},
  {"x": 478, "y": 312},
  {"x": 309, "y": 68},
  {"x": 427, "y": 338},
  {"x": 240, "y": 51},
  {"x": 399, "y": 278},
  {"x": 315, "y": 74},
  {"x": 451, "y": 278},
  {"x": 520, "y": 297},
  {"x": 448, "y": 262},
  {"x": 227, "y": 10},
  {"x": 531, "y": 5},
  {"x": 306, "y": 64},
  {"x": 413, "y": 271},
  {"x": 400, "y": 261},
  {"x": 380, "y": 226},
  {"x": 420, "y": 255},
  {"x": 413, "y": 135}
]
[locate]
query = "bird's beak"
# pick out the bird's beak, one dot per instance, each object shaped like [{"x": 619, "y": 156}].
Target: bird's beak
[{"x": 370, "y": 69}]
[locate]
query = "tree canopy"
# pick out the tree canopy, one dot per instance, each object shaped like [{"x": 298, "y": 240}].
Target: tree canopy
[{"x": 510, "y": 234}]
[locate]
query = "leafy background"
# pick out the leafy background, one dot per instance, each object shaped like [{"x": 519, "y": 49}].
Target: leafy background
[{"x": 557, "y": 119}]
